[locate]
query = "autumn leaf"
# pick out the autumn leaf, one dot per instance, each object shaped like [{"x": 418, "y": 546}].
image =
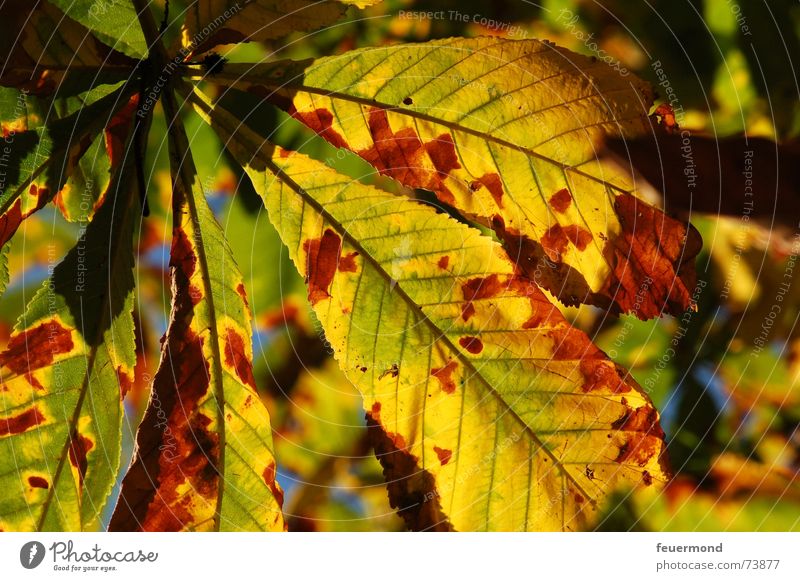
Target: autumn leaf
[
  {"x": 489, "y": 411},
  {"x": 45, "y": 52},
  {"x": 508, "y": 133},
  {"x": 204, "y": 456},
  {"x": 214, "y": 22},
  {"x": 63, "y": 372}
]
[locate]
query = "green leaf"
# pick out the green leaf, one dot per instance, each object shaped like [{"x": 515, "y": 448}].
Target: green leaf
[
  {"x": 41, "y": 160},
  {"x": 113, "y": 22},
  {"x": 62, "y": 372}
]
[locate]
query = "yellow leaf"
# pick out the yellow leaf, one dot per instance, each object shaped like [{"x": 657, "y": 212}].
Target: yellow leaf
[
  {"x": 488, "y": 410},
  {"x": 508, "y": 132}
]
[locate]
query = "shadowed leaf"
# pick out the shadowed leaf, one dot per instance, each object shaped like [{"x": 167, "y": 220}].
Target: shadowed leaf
[
  {"x": 45, "y": 51},
  {"x": 114, "y": 23},
  {"x": 42, "y": 159},
  {"x": 213, "y": 22}
]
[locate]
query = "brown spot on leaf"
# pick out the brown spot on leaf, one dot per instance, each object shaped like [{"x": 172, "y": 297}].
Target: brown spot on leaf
[
  {"x": 643, "y": 435},
  {"x": 493, "y": 183},
  {"x": 321, "y": 264},
  {"x": 240, "y": 290},
  {"x": 21, "y": 422},
  {"x": 602, "y": 375},
  {"x": 442, "y": 152},
  {"x": 125, "y": 382},
  {"x": 561, "y": 200},
  {"x": 236, "y": 357},
  {"x": 443, "y": 262},
  {"x": 36, "y": 348},
  {"x": 401, "y": 155},
  {"x": 321, "y": 122},
  {"x": 572, "y": 344},
  {"x": 38, "y": 482},
  {"x": 445, "y": 376},
  {"x": 543, "y": 312},
  {"x": 647, "y": 479},
  {"x": 554, "y": 242},
  {"x": 182, "y": 255},
  {"x": 10, "y": 221},
  {"x": 580, "y": 237},
  {"x": 347, "y": 263},
  {"x": 412, "y": 490},
  {"x": 13, "y": 217},
  {"x": 269, "y": 475},
  {"x": 565, "y": 282},
  {"x": 652, "y": 260},
  {"x": 476, "y": 289},
  {"x": 116, "y": 132},
  {"x": 79, "y": 447},
  {"x": 443, "y": 455},
  {"x": 408, "y": 101},
  {"x": 471, "y": 344}
]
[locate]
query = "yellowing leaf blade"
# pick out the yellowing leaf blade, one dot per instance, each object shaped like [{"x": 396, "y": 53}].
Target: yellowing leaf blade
[
  {"x": 493, "y": 412},
  {"x": 508, "y": 132}
]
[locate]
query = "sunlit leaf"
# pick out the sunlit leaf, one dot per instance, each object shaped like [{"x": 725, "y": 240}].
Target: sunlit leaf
[
  {"x": 489, "y": 411},
  {"x": 43, "y": 51},
  {"x": 63, "y": 372},
  {"x": 508, "y": 133},
  {"x": 204, "y": 448}
]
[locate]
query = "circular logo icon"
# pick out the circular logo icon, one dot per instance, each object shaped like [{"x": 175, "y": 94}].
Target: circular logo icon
[{"x": 31, "y": 554}]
